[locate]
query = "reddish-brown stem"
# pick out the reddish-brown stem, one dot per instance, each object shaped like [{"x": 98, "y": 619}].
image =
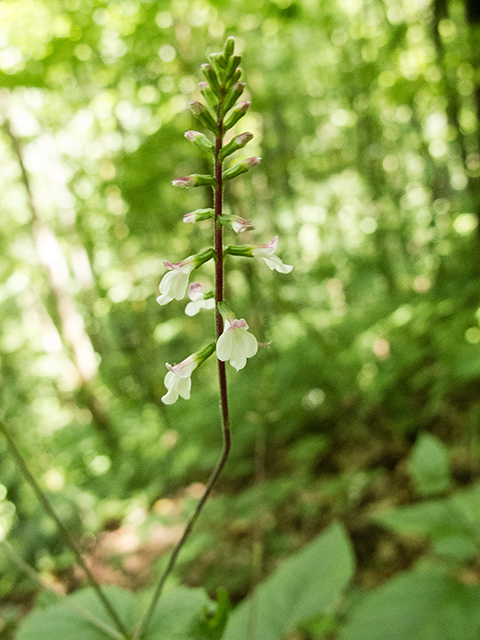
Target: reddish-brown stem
[
  {"x": 219, "y": 270},
  {"x": 219, "y": 278}
]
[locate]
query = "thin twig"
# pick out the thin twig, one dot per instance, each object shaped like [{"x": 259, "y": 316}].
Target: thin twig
[
  {"x": 63, "y": 530},
  {"x": 36, "y": 577}
]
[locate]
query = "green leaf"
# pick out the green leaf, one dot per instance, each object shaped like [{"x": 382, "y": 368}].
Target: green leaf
[
  {"x": 436, "y": 518},
  {"x": 417, "y": 606},
  {"x": 176, "y": 614},
  {"x": 308, "y": 584},
  {"x": 460, "y": 548},
  {"x": 428, "y": 465},
  {"x": 59, "y": 621}
]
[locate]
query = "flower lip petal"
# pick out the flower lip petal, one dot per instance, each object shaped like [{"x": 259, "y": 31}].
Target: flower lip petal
[
  {"x": 237, "y": 324},
  {"x": 186, "y": 266},
  {"x": 195, "y": 291},
  {"x": 266, "y": 249},
  {"x": 185, "y": 368}
]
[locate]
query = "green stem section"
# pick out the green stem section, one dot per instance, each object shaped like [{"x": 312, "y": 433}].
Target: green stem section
[
  {"x": 63, "y": 531},
  {"x": 219, "y": 273}
]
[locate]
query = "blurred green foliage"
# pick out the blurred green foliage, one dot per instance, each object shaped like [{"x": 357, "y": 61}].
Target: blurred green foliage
[{"x": 366, "y": 115}]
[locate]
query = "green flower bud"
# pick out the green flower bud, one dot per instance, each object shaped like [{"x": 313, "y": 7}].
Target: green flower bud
[
  {"x": 200, "y": 141},
  {"x": 195, "y": 180},
  {"x": 232, "y": 96},
  {"x": 202, "y": 113},
  {"x": 232, "y": 67},
  {"x": 205, "y": 256},
  {"x": 209, "y": 96},
  {"x": 212, "y": 79},
  {"x": 238, "y": 112},
  {"x": 236, "y": 143},
  {"x": 229, "y": 47},
  {"x": 235, "y": 77},
  {"x": 198, "y": 215},
  {"x": 244, "y": 250},
  {"x": 218, "y": 62},
  {"x": 241, "y": 167}
]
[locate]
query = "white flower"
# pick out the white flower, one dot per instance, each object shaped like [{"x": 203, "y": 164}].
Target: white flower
[
  {"x": 195, "y": 293},
  {"x": 266, "y": 252},
  {"x": 241, "y": 224},
  {"x": 236, "y": 344},
  {"x": 174, "y": 283},
  {"x": 177, "y": 380}
]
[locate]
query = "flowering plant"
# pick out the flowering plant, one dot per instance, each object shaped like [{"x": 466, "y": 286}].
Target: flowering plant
[{"x": 234, "y": 343}]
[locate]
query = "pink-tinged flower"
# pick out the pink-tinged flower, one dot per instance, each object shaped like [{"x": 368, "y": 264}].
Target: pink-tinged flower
[
  {"x": 241, "y": 224},
  {"x": 198, "y": 216},
  {"x": 189, "y": 217},
  {"x": 178, "y": 381},
  {"x": 236, "y": 344},
  {"x": 266, "y": 252},
  {"x": 195, "y": 180},
  {"x": 196, "y": 295},
  {"x": 186, "y": 183},
  {"x": 174, "y": 283}
]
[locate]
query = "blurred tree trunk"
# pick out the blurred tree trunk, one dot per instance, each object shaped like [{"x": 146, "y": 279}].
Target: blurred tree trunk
[{"x": 72, "y": 328}]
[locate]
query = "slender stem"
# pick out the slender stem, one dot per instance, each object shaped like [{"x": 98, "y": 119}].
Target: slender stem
[
  {"x": 63, "y": 530},
  {"x": 218, "y": 196}
]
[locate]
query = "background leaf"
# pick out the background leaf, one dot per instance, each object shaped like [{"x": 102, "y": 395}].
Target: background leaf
[
  {"x": 58, "y": 621},
  {"x": 307, "y": 584},
  {"x": 417, "y": 606},
  {"x": 428, "y": 465}
]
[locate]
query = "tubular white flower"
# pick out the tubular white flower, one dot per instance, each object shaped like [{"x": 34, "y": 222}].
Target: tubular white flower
[
  {"x": 178, "y": 381},
  {"x": 236, "y": 344},
  {"x": 241, "y": 224},
  {"x": 266, "y": 252},
  {"x": 174, "y": 283},
  {"x": 198, "y": 302}
]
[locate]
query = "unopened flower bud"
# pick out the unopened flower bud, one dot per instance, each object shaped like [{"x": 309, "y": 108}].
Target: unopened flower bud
[
  {"x": 200, "y": 141},
  {"x": 241, "y": 167},
  {"x": 236, "y": 143},
  {"x": 198, "y": 215},
  {"x": 229, "y": 47},
  {"x": 218, "y": 63},
  {"x": 211, "y": 76},
  {"x": 235, "y": 77},
  {"x": 231, "y": 70},
  {"x": 232, "y": 96},
  {"x": 195, "y": 180},
  {"x": 238, "y": 112},
  {"x": 202, "y": 113},
  {"x": 208, "y": 94}
]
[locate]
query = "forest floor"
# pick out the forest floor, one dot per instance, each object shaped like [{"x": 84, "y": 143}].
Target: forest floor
[{"x": 352, "y": 480}]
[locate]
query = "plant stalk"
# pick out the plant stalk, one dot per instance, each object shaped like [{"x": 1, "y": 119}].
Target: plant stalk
[
  {"x": 219, "y": 280},
  {"x": 63, "y": 531}
]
